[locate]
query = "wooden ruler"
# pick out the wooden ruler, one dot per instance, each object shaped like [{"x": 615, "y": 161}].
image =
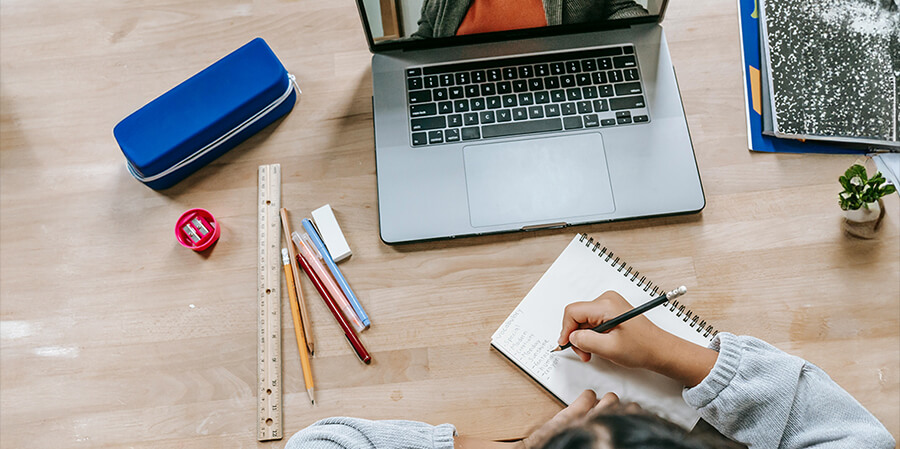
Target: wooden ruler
[{"x": 269, "y": 297}]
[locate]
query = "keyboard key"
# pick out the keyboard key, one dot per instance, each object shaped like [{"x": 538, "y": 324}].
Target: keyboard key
[
  {"x": 445, "y": 107},
  {"x": 631, "y": 74},
  {"x": 456, "y": 92},
  {"x": 504, "y": 115},
  {"x": 601, "y": 106},
  {"x": 591, "y": 121},
  {"x": 598, "y": 77},
  {"x": 488, "y": 89},
  {"x": 470, "y": 119},
  {"x": 510, "y": 101},
  {"x": 640, "y": 118},
  {"x": 446, "y": 79},
  {"x": 624, "y": 62},
  {"x": 589, "y": 92},
  {"x": 414, "y": 83},
  {"x": 535, "y": 84},
  {"x": 531, "y": 126},
  {"x": 422, "y": 110},
  {"x": 431, "y": 82},
  {"x": 420, "y": 96},
  {"x": 542, "y": 70},
  {"x": 471, "y": 133},
  {"x": 567, "y": 81},
  {"x": 604, "y": 63},
  {"x": 462, "y": 78},
  {"x": 572, "y": 122},
  {"x": 509, "y": 73},
  {"x": 451, "y": 135},
  {"x": 504, "y": 87},
  {"x": 472, "y": 90},
  {"x": 615, "y": 76},
  {"x": 605, "y": 90},
  {"x": 494, "y": 102},
  {"x": 628, "y": 88},
  {"x": 477, "y": 104},
  {"x": 536, "y": 112},
  {"x": 526, "y": 99},
  {"x": 454, "y": 120},
  {"x": 520, "y": 86},
  {"x": 551, "y": 110},
  {"x": 628, "y": 49},
  {"x": 621, "y": 114},
  {"x": 583, "y": 79},
  {"x": 558, "y": 95},
  {"x": 557, "y": 68},
  {"x": 573, "y": 66},
  {"x": 541, "y": 97},
  {"x": 623, "y": 120},
  {"x": 551, "y": 82},
  {"x": 573, "y": 94},
  {"x": 569, "y": 109},
  {"x": 435, "y": 137},
  {"x": 589, "y": 65},
  {"x": 584, "y": 107},
  {"x": 423, "y": 124},
  {"x": 486, "y": 117},
  {"x": 494, "y": 75},
  {"x": 439, "y": 94},
  {"x": 461, "y": 106},
  {"x": 520, "y": 114},
  {"x": 627, "y": 103},
  {"x": 608, "y": 122},
  {"x": 413, "y": 72},
  {"x": 526, "y": 71},
  {"x": 478, "y": 76},
  {"x": 419, "y": 139}
]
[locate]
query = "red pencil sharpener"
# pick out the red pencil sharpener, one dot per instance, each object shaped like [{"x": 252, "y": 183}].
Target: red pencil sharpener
[{"x": 197, "y": 229}]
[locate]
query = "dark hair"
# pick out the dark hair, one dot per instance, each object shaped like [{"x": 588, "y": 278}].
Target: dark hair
[{"x": 634, "y": 431}]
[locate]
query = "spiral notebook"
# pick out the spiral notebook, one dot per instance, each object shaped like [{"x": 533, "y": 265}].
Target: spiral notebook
[{"x": 583, "y": 271}]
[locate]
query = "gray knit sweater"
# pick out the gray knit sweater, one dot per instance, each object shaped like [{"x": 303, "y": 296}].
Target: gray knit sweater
[
  {"x": 441, "y": 18},
  {"x": 755, "y": 394}
]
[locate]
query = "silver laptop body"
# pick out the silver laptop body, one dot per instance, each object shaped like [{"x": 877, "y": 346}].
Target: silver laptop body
[{"x": 437, "y": 180}]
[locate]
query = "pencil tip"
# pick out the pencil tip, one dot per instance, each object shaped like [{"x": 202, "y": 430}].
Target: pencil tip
[{"x": 556, "y": 349}]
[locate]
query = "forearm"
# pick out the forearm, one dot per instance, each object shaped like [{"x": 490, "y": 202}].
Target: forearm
[
  {"x": 684, "y": 361},
  {"x": 472, "y": 443}
]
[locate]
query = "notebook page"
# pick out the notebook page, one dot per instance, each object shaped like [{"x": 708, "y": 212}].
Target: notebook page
[{"x": 531, "y": 331}]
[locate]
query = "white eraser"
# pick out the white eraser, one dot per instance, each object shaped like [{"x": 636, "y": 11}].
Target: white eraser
[{"x": 331, "y": 233}]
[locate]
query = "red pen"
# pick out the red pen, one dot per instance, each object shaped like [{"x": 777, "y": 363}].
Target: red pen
[{"x": 329, "y": 301}]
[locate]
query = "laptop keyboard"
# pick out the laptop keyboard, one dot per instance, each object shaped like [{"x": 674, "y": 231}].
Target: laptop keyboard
[{"x": 532, "y": 94}]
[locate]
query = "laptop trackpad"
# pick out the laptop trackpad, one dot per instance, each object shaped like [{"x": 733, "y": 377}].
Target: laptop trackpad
[{"x": 537, "y": 181}]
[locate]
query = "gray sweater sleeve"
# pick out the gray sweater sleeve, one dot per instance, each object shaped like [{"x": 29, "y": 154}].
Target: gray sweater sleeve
[
  {"x": 765, "y": 398},
  {"x": 353, "y": 433}
]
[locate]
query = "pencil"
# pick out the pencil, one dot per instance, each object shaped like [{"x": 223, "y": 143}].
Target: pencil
[
  {"x": 352, "y": 338},
  {"x": 295, "y": 269},
  {"x": 298, "y": 327},
  {"x": 639, "y": 310}
]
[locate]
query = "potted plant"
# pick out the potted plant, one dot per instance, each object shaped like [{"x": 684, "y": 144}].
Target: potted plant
[{"x": 861, "y": 200}]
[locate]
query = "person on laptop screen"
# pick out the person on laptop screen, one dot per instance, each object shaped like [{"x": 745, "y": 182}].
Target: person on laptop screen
[{"x": 444, "y": 18}]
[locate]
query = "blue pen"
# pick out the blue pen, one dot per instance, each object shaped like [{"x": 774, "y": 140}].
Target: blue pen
[{"x": 335, "y": 271}]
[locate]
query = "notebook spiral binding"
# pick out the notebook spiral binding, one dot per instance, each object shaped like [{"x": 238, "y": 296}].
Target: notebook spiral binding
[{"x": 681, "y": 311}]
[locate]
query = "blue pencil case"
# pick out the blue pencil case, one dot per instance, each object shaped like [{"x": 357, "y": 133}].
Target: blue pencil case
[{"x": 202, "y": 118}]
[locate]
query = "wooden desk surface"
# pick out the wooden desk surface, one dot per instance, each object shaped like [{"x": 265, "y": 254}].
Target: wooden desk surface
[{"x": 114, "y": 335}]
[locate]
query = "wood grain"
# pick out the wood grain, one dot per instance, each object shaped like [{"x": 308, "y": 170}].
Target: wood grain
[{"x": 113, "y": 335}]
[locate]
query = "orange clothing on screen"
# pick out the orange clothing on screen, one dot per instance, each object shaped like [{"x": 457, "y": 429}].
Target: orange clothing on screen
[{"x": 501, "y": 15}]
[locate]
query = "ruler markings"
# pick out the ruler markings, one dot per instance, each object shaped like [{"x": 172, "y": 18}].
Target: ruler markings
[{"x": 269, "y": 414}]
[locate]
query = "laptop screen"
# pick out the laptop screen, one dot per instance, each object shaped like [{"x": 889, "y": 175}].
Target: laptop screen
[{"x": 415, "y": 21}]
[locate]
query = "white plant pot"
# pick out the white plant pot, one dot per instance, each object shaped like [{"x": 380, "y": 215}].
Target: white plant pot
[{"x": 864, "y": 214}]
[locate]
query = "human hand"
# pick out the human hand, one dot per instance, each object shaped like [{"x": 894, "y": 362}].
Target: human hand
[
  {"x": 582, "y": 408},
  {"x": 636, "y": 343}
]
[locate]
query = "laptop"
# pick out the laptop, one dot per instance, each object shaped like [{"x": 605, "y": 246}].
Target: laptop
[{"x": 571, "y": 117}]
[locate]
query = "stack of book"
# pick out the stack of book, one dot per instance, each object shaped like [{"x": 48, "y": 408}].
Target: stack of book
[{"x": 821, "y": 76}]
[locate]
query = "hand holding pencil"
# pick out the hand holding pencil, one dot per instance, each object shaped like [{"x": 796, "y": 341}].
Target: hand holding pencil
[{"x": 635, "y": 343}]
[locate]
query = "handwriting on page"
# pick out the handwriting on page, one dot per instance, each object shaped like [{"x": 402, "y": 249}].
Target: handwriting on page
[{"x": 532, "y": 352}]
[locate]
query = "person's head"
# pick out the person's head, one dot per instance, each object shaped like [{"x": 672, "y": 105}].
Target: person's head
[{"x": 630, "y": 427}]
